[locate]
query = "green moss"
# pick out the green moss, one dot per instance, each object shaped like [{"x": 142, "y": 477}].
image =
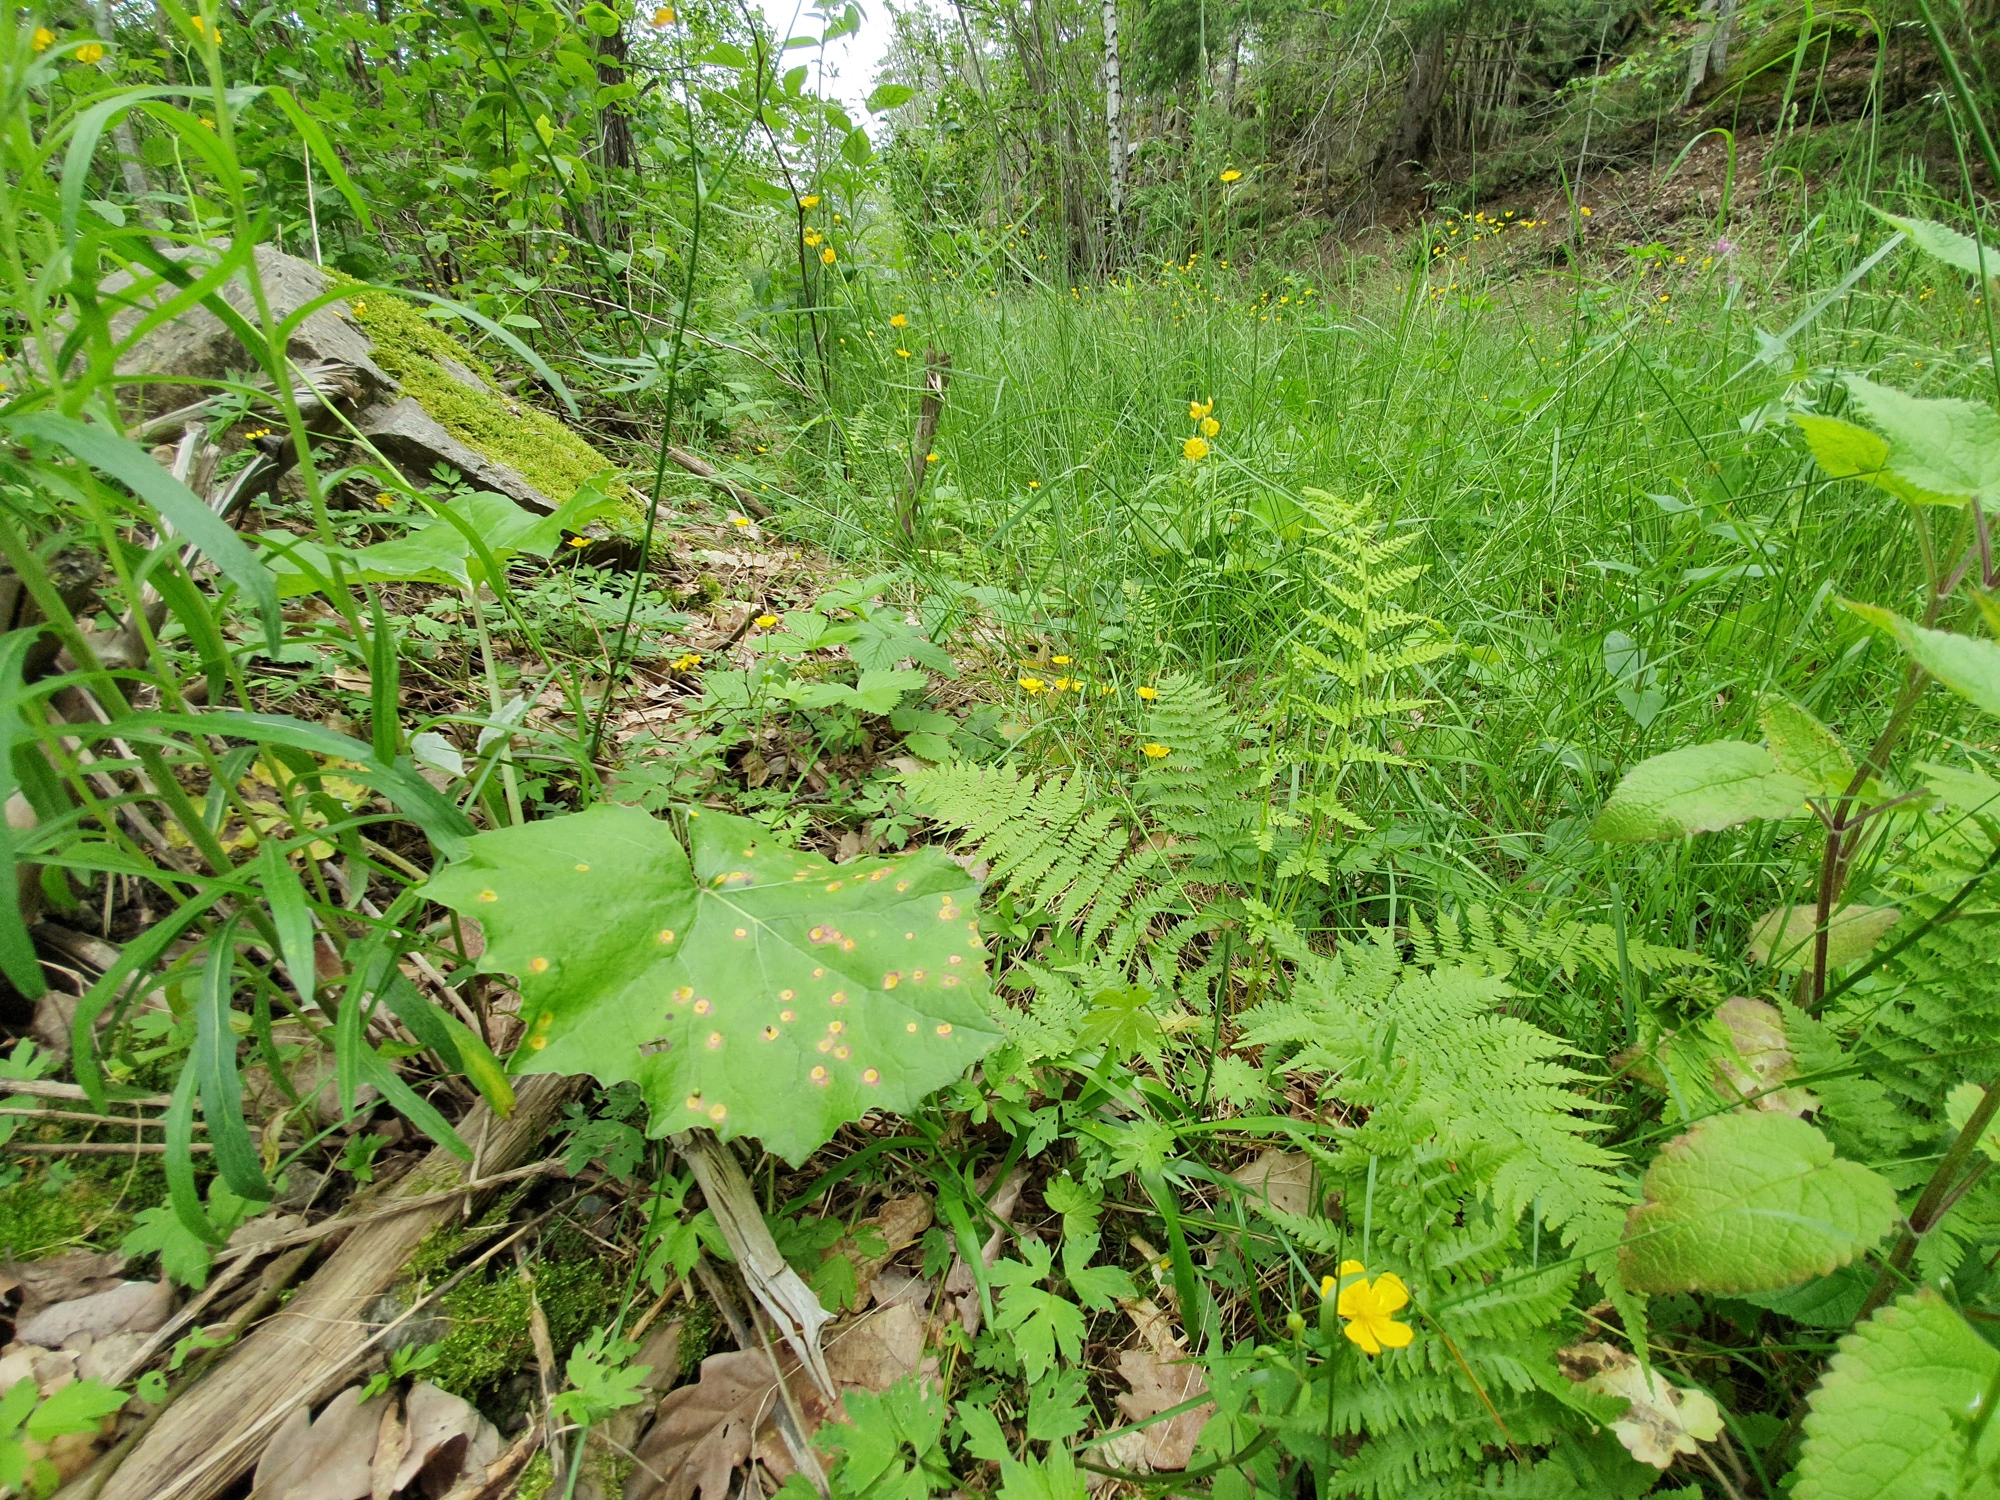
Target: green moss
[
  {"x": 41, "y": 1215},
  {"x": 535, "y": 445},
  {"x": 697, "y": 1336},
  {"x": 489, "y": 1337},
  {"x": 536, "y": 1477}
]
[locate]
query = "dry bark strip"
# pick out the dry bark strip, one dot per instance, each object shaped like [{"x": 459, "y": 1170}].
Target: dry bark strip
[
  {"x": 779, "y": 1289},
  {"x": 216, "y": 1432},
  {"x": 702, "y": 469},
  {"x": 937, "y": 375}
]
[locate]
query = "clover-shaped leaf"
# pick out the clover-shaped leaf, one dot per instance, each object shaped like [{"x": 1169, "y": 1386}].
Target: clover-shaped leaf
[{"x": 762, "y": 991}]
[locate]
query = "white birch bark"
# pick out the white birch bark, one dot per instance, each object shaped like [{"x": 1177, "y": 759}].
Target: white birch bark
[{"x": 1114, "y": 111}]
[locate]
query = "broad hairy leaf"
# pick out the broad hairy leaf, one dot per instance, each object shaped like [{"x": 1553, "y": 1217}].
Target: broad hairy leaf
[
  {"x": 1892, "y": 1414},
  {"x": 1846, "y": 451},
  {"x": 1942, "y": 445},
  {"x": 757, "y": 991},
  {"x": 1750, "y": 1202},
  {"x": 1970, "y": 667},
  {"x": 1786, "y": 934},
  {"x": 1696, "y": 790},
  {"x": 1804, "y": 747},
  {"x": 1947, "y": 244}
]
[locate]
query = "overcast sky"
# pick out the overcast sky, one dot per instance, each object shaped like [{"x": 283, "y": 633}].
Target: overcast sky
[{"x": 853, "y": 58}]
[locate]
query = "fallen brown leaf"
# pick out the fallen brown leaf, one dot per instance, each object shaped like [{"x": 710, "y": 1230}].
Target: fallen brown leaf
[
  {"x": 50, "y": 1369},
  {"x": 445, "y": 1438},
  {"x": 878, "y": 1349},
  {"x": 1281, "y": 1178},
  {"x": 1763, "y": 1058},
  {"x": 1161, "y": 1375},
  {"x": 1663, "y": 1419},
  {"x": 124, "y": 1307},
  {"x": 900, "y": 1222},
  {"x": 63, "y": 1278},
  {"x": 706, "y": 1431},
  {"x": 330, "y": 1458},
  {"x": 391, "y": 1438}
]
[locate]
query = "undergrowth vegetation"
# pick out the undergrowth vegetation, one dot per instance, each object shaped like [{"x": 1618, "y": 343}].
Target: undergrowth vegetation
[{"x": 1392, "y": 872}]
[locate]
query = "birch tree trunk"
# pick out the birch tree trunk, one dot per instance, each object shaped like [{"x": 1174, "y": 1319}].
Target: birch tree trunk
[
  {"x": 130, "y": 164},
  {"x": 1114, "y": 116}
]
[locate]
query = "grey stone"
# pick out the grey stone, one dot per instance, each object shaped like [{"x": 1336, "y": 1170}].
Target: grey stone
[
  {"x": 197, "y": 346},
  {"x": 414, "y": 441}
]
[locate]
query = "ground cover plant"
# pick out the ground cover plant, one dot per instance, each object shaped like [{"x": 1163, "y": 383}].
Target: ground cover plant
[{"x": 688, "y": 815}]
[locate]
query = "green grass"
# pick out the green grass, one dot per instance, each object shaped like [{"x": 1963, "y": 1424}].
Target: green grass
[{"x": 1587, "y": 450}]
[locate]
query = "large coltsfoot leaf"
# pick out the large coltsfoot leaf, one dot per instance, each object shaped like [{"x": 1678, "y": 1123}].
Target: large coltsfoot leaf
[
  {"x": 1893, "y": 1414},
  {"x": 762, "y": 991},
  {"x": 1750, "y": 1202},
  {"x": 1697, "y": 790}
]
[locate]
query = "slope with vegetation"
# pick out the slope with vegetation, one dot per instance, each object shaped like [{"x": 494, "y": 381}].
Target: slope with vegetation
[{"x": 1104, "y": 853}]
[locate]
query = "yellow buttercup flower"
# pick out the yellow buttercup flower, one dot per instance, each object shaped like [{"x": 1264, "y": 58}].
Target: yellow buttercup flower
[
  {"x": 765, "y": 622},
  {"x": 811, "y": 200},
  {"x": 1199, "y": 409},
  {"x": 827, "y": 256},
  {"x": 1060, "y": 661},
  {"x": 1584, "y": 211},
  {"x": 1149, "y": 693},
  {"x": 385, "y": 499},
  {"x": 43, "y": 39},
  {"x": 1328, "y": 1285},
  {"x": 1034, "y": 484},
  {"x": 739, "y": 520},
  {"x": 684, "y": 661},
  {"x": 1031, "y": 684},
  {"x": 1155, "y": 752},
  {"x": 1367, "y": 1308},
  {"x": 1064, "y": 684},
  {"x": 904, "y": 352},
  {"x": 90, "y": 52},
  {"x": 579, "y": 541},
  {"x": 930, "y": 458},
  {"x": 1231, "y": 175},
  {"x": 897, "y": 320},
  {"x": 813, "y": 237},
  {"x": 1210, "y": 427},
  {"x": 1194, "y": 449}
]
